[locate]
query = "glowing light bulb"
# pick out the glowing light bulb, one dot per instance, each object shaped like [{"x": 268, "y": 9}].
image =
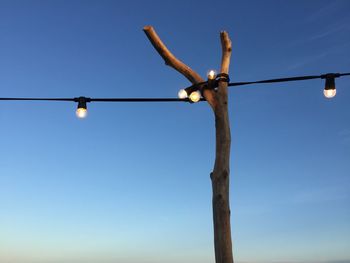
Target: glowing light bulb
[
  {"x": 329, "y": 88},
  {"x": 81, "y": 113},
  {"x": 182, "y": 94},
  {"x": 211, "y": 74},
  {"x": 329, "y": 93},
  {"x": 195, "y": 96}
]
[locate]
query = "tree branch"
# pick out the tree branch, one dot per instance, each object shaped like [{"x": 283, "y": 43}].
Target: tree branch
[
  {"x": 169, "y": 58},
  {"x": 177, "y": 64},
  {"x": 226, "y": 46},
  {"x": 226, "y": 52}
]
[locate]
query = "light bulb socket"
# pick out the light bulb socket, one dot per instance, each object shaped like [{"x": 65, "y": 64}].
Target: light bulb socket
[
  {"x": 211, "y": 84},
  {"x": 330, "y": 83},
  {"x": 330, "y": 75},
  {"x": 191, "y": 89},
  {"x": 82, "y": 101}
]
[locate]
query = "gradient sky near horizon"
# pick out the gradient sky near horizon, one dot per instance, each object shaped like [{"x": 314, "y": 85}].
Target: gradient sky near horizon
[{"x": 130, "y": 183}]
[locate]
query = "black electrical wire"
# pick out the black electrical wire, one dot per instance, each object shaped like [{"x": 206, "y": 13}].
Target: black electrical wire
[
  {"x": 42, "y": 99},
  {"x": 323, "y": 76},
  {"x": 273, "y": 80},
  {"x": 141, "y": 100},
  {"x": 103, "y": 99}
]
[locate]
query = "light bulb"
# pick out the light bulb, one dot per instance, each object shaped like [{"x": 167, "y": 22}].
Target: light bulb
[
  {"x": 182, "y": 94},
  {"x": 195, "y": 96},
  {"x": 81, "y": 113},
  {"x": 329, "y": 93},
  {"x": 211, "y": 74}
]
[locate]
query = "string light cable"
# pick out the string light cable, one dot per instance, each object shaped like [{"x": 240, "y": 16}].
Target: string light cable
[
  {"x": 194, "y": 93},
  {"x": 214, "y": 79}
]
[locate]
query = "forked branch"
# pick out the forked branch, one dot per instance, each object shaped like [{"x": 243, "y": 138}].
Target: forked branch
[{"x": 217, "y": 99}]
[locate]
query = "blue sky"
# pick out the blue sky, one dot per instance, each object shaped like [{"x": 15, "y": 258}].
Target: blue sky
[{"x": 130, "y": 183}]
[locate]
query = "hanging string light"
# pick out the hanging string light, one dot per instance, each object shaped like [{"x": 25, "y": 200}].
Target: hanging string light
[
  {"x": 329, "y": 89},
  {"x": 211, "y": 74},
  {"x": 193, "y": 93},
  {"x": 81, "y": 111},
  {"x": 182, "y": 94},
  {"x": 195, "y": 96}
]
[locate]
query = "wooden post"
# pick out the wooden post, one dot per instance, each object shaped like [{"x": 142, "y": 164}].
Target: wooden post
[{"x": 218, "y": 101}]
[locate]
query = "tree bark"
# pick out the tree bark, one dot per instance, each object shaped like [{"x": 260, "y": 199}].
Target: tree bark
[
  {"x": 218, "y": 100},
  {"x": 220, "y": 176}
]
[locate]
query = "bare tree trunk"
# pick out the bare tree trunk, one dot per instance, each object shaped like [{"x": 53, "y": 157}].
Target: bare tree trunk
[
  {"x": 220, "y": 177},
  {"x": 221, "y": 173}
]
